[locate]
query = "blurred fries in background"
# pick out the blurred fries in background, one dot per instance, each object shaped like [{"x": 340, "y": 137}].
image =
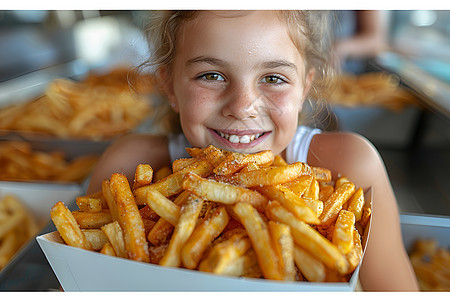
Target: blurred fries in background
[
  {"x": 20, "y": 162},
  {"x": 232, "y": 214},
  {"x": 99, "y": 107},
  {"x": 17, "y": 226}
]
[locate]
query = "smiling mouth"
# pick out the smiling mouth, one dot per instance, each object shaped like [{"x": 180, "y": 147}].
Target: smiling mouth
[{"x": 239, "y": 139}]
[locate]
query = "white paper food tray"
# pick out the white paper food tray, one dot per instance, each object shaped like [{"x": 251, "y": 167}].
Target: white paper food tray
[
  {"x": 416, "y": 227},
  {"x": 82, "y": 270},
  {"x": 38, "y": 198}
]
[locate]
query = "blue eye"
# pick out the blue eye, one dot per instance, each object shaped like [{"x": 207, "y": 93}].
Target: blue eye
[{"x": 212, "y": 77}]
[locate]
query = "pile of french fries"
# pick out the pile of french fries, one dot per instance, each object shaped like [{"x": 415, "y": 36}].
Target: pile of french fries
[
  {"x": 431, "y": 264},
  {"x": 100, "y": 107},
  {"x": 369, "y": 89},
  {"x": 17, "y": 226},
  {"x": 19, "y": 162},
  {"x": 227, "y": 213}
]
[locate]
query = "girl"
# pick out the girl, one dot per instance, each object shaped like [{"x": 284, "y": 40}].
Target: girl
[{"x": 238, "y": 80}]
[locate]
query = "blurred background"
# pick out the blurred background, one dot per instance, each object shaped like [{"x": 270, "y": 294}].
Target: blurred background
[{"x": 395, "y": 91}]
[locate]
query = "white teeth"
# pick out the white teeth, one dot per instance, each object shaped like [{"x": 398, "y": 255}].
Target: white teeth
[{"x": 245, "y": 139}]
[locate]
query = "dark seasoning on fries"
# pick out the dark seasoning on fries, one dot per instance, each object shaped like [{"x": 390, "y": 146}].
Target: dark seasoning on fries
[{"x": 249, "y": 215}]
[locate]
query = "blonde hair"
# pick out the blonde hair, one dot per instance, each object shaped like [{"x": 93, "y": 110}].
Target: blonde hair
[{"x": 308, "y": 31}]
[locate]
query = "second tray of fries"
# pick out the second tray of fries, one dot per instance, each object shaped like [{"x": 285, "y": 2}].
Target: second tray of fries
[{"x": 252, "y": 221}]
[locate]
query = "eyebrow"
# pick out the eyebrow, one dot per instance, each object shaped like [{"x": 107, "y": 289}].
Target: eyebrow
[
  {"x": 279, "y": 63},
  {"x": 208, "y": 60}
]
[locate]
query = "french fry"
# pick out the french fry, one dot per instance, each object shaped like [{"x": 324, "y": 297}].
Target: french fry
[
  {"x": 284, "y": 248},
  {"x": 203, "y": 235},
  {"x": 354, "y": 256},
  {"x": 96, "y": 238},
  {"x": 223, "y": 254},
  {"x": 325, "y": 192},
  {"x": 267, "y": 176},
  {"x": 312, "y": 268},
  {"x": 222, "y": 192},
  {"x": 89, "y": 203},
  {"x": 343, "y": 231},
  {"x": 129, "y": 218},
  {"x": 321, "y": 174},
  {"x": 312, "y": 192},
  {"x": 162, "y": 173},
  {"x": 182, "y": 163},
  {"x": 108, "y": 249},
  {"x": 236, "y": 161},
  {"x": 334, "y": 203},
  {"x": 162, "y": 206},
  {"x": 161, "y": 231},
  {"x": 260, "y": 239},
  {"x": 291, "y": 202},
  {"x": 142, "y": 176},
  {"x": 171, "y": 185},
  {"x": 278, "y": 161},
  {"x": 365, "y": 217},
  {"x": 115, "y": 236},
  {"x": 67, "y": 227},
  {"x": 356, "y": 204},
  {"x": 182, "y": 231},
  {"x": 92, "y": 220},
  {"x": 308, "y": 238},
  {"x": 299, "y": 185},
  {"x": 340, "y": 181}
]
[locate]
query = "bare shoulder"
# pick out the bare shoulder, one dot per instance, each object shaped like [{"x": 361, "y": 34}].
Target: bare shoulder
[
  {"x": 126, "y": 153},
  {"x": 348, "y": 153}
]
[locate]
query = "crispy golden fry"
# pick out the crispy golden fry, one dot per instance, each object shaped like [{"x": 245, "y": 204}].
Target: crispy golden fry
[
  {"x": 333, "y": 204},
  {"x": 96, "y": 238},
  {"x": 260, "y": 238},
  {"x": 356, "y": 203},
  {"x": 115, "y": 236},
  {"x": 210, "y": 228},
  {"x": 92, "y": 220},
  {"x": 354, "y": 256},
  {"x": 267, "y": 176},
  {"x": 340, "y": 181},
  {"x": 89, "y": 203},
  {"x": 325, "y": 192},
  {"x": 182, "y": 232},
  {"x": 343, "y": 231},
  {"x": 182, "y": 163},
  {"x": 171, "y": 185},
  {"x": 162, "y": 206},
  {"x": 161, "y": 231},
  {"x": 291, "y": 202},
  {"x": 109, "y": 199},
  {"x": 67, "y": 226},
  {"x": 223, "y": 254},
  {"x": 312, "y": 268},
  {"x": 222, "y": 192},
  {"x": 321, "y": 174},
  {"x": 129, "y": 218},
  {"x": 162, "y": 173},
  {"x": 142, "y": 176},
  {"x": 308, "y": 238},
  {"x": 365, "y": 217},
  {"x": 278, "y": 161},
  {"x": 108, "y": 249},
  {"x": 250, "y": 167},
  {"x": 312, "y": 192},
  {"x": 284, "y": 248},
  {"x": 236, "y": 161},
  {"x": 299, "y": 185}
]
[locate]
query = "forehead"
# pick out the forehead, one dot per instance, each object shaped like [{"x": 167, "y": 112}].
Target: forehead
[{"x": 249, "y": 32}]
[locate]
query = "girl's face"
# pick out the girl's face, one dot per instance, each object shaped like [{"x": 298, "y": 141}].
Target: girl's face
[{"x": 238, "y": 82}]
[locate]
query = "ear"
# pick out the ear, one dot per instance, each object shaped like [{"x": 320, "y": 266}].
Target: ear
[
  {"x": 308, "y": 81},
  {"x": 166, "y": 83}
]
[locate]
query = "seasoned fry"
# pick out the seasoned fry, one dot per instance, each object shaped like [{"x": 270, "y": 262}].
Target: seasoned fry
[
  {"x": 291, "y": 202},
  {"x": 284, "y": 248},
  {"x": 308, "y": 238},
  {"x": 356, "y": 203},
  {"x": 354, "y": 256},
  {"x": 90, "y": 203},
  {"x": 115, "y": 236},
  {"x": 162, "y": 173},
  {"x": 312, "y": 268},
  {"x": 68, "y": 227},
  {"x": 222, "y": 192},
  {"x": 96, "y": 238},
  {"x": 343, "y": 231},
  {"x": 182, "y": 231},
  {"x": 203, "y": 235},
  {"x": 142, "y": 176},
  {"x": 321, "y": 174},
  {"x": 260, "y": 238},
  {"x": 299, "y": 185},
  {"x": 129, "y": 218},
  {"x": 333, "y": 204},
  {"x": 109, "y": 199},
  {"x": 108, "y": 249},
  {"x": 236, "y": 161},
  {"x": 92, "y": 220},
  {"x": 182, "y": 163},
  {"x": 162, "y": 206}
]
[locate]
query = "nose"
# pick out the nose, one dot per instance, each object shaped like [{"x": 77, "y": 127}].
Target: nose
[{"x": 242, "y": 102}]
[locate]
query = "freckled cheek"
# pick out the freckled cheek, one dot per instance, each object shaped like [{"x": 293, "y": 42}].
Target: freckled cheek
[
  {"x": 196, "y": 102},
  {"x": 284, "y": 107}
]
